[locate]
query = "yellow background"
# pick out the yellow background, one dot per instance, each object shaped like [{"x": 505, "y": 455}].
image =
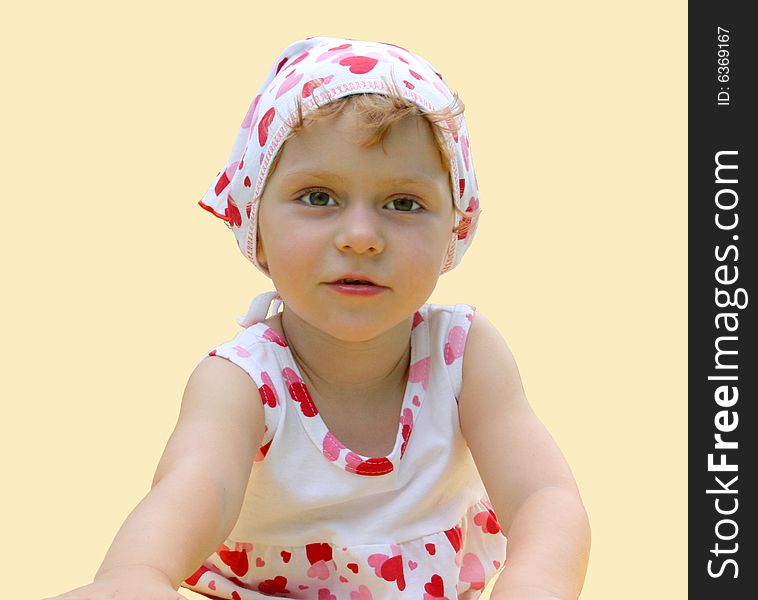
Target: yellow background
[{"x": 116, "y": 118}]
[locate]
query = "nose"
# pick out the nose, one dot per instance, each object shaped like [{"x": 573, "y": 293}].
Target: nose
[{"x": 359, "y": 230}]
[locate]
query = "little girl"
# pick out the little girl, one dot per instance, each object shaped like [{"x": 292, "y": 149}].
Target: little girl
[{"x": 358, "y": 443}]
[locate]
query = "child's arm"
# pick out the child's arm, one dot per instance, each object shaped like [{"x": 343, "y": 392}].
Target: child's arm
[
  {"x": 527, "y": 478},
  {"x": 197, "y": 491}
]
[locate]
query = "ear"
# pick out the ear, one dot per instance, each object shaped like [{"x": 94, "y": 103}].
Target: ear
[{"x": 260, "y": 252}]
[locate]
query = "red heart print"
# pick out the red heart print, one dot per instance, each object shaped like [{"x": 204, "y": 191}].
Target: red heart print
[
  {"x": 248, "y": 183},
  {"x": 273, "y": 587},
  {"x": 232, "y": 213},
  {"x": 417, "y": 319},
  {"x": 264, "y": 124},
  {"x": 317, "y": 552},
  {"x": 286, "y": 555},
  {"x": 343, "y": 579},
  {"x": 212, "y": 584},
  {"x": 388, "y": 568},
  {"x": 371, "y": 466},
  {"x": 259, "y": 562},
  {"x": 268, "y": 395},
  {"x": 392, "y": 570},
  {"x": 496, "y": 564},
  {"x": 299, "y": 392},
  {"x": 236, "y": 559},
  {"x": 416, "y": 75},
  {"x": 465, "y": 224},
  {"x": 313, "y": 84},
  {"x": 406, "y": 421},
  {"x": 487, "y": 521},
  {"x": 212, "y": 353},
  {"x": 353, "y": 567},
  {"x": 281, "y": 64},
  {"x": 435, "y": 587},
  {"x": 455, "y": 537},
  {"x": 303, "y": 587},
  {"x": 431, "y": 549},
  {"x": 325, "y": 594},
  {"x": 195, "y": 577},
  {"x": 263, "y": 451},
  {"x": 221, "y": 184},
  {"x": 236, "y": 596},
  {"x": 359, "y": 64},
  {"x": 408, "y": 84},
  {"x": 412, "y": 565},
  {"x": 461, "y": 187}
]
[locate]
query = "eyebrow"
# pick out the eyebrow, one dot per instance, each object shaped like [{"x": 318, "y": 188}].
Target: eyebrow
[{"x": 419, "y": 179}]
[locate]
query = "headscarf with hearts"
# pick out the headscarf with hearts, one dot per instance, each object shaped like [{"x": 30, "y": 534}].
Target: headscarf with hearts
[{"x": 319, "y": 70}]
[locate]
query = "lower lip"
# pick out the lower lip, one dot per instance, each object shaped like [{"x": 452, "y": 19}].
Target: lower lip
[{"x": 356, "y": 290}]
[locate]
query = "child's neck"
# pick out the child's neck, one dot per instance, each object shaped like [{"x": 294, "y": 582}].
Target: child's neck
[{"x": 344, "y": 369}]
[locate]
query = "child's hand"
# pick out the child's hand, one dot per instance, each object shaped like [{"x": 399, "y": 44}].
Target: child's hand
[{"x": 126, "y": 583}]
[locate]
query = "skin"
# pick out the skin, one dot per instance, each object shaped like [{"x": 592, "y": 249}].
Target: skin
[{"x": 395, "y": 234}]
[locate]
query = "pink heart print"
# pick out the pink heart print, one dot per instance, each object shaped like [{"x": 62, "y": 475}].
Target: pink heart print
[
  {"x": 362, "y": 593},
  {"x": 242, "y": 352},
  {"x": 419, "y": 372},
  {"x": 455, "y": 345},
  {"x": 273, "y": 336},
  {"x": 472, "y": 571},
  {"x": 331, "y": 447}
]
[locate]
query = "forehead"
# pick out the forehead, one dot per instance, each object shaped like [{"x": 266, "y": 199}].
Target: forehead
[{"x": 408, "y": 152}]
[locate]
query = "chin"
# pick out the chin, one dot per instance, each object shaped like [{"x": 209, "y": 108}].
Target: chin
[{"x": 354, "y": 332}]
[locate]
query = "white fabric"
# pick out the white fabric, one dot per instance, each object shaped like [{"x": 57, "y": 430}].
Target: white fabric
[{"x": 334, "y": 511}]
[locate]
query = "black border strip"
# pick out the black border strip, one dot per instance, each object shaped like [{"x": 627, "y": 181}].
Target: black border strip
[{"x": 723, "y": 367}]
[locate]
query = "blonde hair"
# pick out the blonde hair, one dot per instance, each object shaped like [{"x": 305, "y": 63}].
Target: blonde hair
[{"x": 379, "y": 112}]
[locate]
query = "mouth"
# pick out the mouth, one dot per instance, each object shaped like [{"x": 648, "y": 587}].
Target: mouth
[
  {"x": 349, "y": 281},
  {"x": 356, "y": 286}
]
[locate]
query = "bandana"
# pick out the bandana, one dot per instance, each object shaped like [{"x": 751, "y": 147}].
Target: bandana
[{"x": 319, "y": 70}]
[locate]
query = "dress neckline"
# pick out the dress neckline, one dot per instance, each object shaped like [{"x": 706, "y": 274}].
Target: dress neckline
[{"x": 329, "y": 445}]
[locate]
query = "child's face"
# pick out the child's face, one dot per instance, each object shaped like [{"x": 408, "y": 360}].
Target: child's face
[{"x": 333, "y": 208}]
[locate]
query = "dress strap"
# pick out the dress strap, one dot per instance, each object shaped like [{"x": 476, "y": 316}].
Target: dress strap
[{"x": 259, "y": 308}]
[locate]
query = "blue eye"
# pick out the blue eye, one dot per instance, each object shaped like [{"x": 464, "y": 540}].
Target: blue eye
[
  {"x": 404, "y": 204},
  {"x": 317, "y": 198}
]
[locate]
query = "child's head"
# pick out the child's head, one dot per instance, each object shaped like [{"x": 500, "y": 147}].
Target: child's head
[
  {"x": 339, "y": 207},
  {"x": 322, "y": 81}
]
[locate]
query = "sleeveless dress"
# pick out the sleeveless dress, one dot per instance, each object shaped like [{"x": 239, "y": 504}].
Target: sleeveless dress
[{"x": 322, "y": 522}]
